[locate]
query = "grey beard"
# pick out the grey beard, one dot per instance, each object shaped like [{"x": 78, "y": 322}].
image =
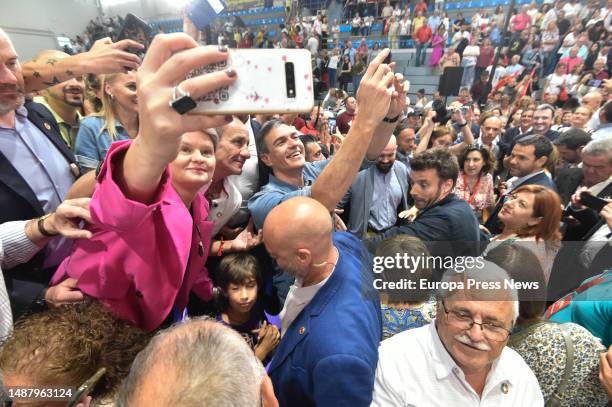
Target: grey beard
[{"x": 11, "y": 106}]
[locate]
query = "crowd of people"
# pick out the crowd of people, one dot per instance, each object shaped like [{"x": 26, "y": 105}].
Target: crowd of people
[{"x": 263, "y": 259}]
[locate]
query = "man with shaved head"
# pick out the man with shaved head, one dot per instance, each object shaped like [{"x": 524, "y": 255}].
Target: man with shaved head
[{"x": 331, "y": 320}]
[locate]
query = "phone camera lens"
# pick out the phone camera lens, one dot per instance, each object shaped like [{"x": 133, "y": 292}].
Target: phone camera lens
[{"x": 290, "y": 79}]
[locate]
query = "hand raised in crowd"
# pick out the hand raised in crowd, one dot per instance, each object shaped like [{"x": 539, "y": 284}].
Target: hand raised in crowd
[
  {"x": 64, "y": 293},
  {"x": 168, "y": 62},
  {"x": 428, "y": 121},
  {"x": 66, "y": 218},
  {"x": 325, "y": 136},
  {"x": 107, "y": 57},
  {"x": 605, "y": 370},
  {"x": 161, "y": 80},
  {"x": 267, "y": 341},
  {"x": 374, "y": 94},
  {"x": 399, "y": 101}
]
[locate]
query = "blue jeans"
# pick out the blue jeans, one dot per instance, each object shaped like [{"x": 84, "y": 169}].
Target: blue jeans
[
  {"x": 356, "y": 81},
  {"x": 421, "y": 49},
  {"x": 468, "y": 75},
  {"x": 331, "y": 73}
]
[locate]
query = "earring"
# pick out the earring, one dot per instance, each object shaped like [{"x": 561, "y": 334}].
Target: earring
[{"x": 111, "y": 96}]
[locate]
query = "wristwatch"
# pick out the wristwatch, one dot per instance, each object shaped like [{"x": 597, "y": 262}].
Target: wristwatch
[
  {"x": 41, "y": 226},
  {"x": 393, "y": 119}
]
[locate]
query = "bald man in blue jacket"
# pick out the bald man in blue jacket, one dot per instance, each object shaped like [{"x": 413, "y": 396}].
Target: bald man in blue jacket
[{"x": 331, "y": 321}]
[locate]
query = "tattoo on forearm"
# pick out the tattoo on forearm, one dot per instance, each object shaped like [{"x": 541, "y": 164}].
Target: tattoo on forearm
[
  {"x": 36, "y": 74},
  {"x": 51, "y": 61},
  {"x": 55, "y": 81}
]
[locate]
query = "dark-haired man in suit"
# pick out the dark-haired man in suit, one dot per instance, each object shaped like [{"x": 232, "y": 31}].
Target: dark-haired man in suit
[{"x": 527, "y": 161}]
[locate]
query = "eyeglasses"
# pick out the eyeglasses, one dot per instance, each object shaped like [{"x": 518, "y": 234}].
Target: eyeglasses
[{"x": 464, "y": 321}]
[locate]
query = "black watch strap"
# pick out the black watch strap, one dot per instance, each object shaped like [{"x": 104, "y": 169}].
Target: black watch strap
[{"x": 393, "y": 119}]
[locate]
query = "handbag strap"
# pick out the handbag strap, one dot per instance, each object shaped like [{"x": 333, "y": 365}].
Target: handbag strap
[{"x": 556, "y": 397}]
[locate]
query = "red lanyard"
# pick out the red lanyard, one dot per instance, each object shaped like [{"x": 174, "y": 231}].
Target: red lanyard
[{"x": 467, "y": 188}]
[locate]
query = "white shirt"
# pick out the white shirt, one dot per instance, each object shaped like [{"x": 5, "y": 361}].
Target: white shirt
[
  {"x": 248, "y": 181},
  {"x": 405, "y": 27},
  {"x": 512, "y": 182},
  {"x": 317, "y": 27},
  {"x": 414, "y": 369},
  {"x": 226, "y": 206},
  {"x": 313, "y": 45},
  {"x": 297, "y": 299},
  {"x": 570, "y": 10},
  {"x": 15, "y": 248}
]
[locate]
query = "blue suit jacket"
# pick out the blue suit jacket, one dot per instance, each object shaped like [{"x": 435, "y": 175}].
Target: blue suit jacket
[
  {"x": 328, "y": 355},
  {"x": 361, "y": 194}
]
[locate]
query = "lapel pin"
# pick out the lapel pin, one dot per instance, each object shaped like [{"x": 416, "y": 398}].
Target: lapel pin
[
  {"x": 301, "y": 330},
  {"x": 504, "y": 388},
  {"x": 47, "y": 126}
]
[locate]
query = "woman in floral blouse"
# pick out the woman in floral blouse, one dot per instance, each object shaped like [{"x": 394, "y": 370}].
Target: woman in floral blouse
[
  {"x": 543, "y": 344},
  {"x": 475, "y": 182}
]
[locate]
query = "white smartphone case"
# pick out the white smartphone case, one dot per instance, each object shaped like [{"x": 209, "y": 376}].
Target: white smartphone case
[{"x": 261, "y": 85}]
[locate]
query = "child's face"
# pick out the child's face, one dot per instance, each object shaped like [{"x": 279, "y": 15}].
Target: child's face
[{"x": 242, "y": 297}]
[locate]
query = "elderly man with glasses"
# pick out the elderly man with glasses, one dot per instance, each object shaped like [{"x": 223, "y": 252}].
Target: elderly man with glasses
[{"x": 461, "y": 358}]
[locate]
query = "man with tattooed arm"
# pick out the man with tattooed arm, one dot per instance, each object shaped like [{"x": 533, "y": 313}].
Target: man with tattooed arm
[{"x": 36, "y": 166}]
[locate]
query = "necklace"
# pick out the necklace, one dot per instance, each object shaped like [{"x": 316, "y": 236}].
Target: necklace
[{"x": 470, "y": 191}]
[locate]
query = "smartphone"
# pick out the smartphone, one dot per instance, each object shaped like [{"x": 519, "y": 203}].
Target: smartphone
[
  {"x": 86, "y": 388},
  {"x": 464, "y": 110},
  {"x": 137, "y": 29},
  {"x": 269, "y": 81},
  {"x": 203, "y": 12},
  {"x": 387, "y": 59},
  {"x": 332, "y": 125},
  {"x": 593, "y": 202},
  {"x": 595, "y": 83}
]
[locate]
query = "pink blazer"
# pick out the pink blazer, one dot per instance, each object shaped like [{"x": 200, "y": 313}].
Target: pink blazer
[{"x": 142, "y": 259}]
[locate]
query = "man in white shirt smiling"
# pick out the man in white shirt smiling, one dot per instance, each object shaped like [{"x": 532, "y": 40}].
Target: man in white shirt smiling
[{"x": 461, "y": 358}]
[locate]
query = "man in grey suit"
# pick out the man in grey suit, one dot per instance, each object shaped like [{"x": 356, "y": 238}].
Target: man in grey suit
[{"x": 378, "y": 194}]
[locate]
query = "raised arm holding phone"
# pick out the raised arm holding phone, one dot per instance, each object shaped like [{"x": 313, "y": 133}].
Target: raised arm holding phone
[
  {"x": 150, "y": 233},
  {"x": 380, "y": 107}
]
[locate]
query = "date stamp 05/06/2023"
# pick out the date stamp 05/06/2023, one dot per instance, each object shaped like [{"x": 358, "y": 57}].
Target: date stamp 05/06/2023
[{"x": 36, "y": 393}]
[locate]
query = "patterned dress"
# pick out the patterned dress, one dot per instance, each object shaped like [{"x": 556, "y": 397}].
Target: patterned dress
[
  {"x": 542, "y": 346},
  {"x": 479, "y": 199},
  {"x": 396, "y": 320}
]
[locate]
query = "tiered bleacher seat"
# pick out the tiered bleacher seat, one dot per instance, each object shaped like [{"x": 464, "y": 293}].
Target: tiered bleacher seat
[{"x": 254, "y": 18}]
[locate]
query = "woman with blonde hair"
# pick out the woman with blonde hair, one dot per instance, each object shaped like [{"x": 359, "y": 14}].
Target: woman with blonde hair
[{"x": 118, "y": 120}]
